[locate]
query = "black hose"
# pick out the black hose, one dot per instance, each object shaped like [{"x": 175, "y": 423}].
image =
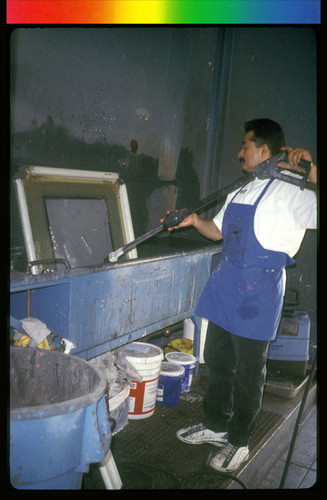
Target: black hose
[
  {"x": 181, "y": 484},
  {"x": 297, "y": 423},
  {"x": 147, "y": 474},
  {"x": 226, "y": 475}
]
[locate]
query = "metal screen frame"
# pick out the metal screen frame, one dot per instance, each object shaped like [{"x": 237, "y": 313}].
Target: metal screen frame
[{"x": 36, "y": 183}]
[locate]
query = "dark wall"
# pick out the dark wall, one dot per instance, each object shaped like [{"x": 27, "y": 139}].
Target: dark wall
[
  {"x": 273, "y": 73},
  {"x": 128, "y": 100}
]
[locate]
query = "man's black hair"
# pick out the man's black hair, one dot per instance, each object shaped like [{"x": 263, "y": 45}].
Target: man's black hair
[{"x": 268, "y": 132}]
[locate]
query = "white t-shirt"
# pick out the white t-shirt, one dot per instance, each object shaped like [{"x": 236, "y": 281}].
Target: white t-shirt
[{"x": 282, "y": 216}]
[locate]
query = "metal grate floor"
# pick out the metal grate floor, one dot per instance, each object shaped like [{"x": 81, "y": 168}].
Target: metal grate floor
[{"x": 148, "y": 454}]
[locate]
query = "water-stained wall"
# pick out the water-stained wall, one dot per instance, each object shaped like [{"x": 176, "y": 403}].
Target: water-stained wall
[{"x": 115, "y": 99}]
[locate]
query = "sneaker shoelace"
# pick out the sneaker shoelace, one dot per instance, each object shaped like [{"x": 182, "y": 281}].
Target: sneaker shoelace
[
  {"x": 230, "y": 453},
  {"x": 197, "y": 428}
]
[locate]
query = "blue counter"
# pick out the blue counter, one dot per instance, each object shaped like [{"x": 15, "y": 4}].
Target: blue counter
[{"x": 102, "y": 308}]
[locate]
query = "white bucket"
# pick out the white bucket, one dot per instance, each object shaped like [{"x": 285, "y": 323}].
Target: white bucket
[
  {"x": 118, "y": 407},
  {"x": 146, "y": 359},
  {"x": 203, "y": 336},
  {"x": 188, "y": 333},
  {"x": 188, "y": 362},
  {"x": 188, "y": 329}
]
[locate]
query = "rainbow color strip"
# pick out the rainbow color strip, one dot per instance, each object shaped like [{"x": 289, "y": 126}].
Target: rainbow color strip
[{"x": 163, "y": 11}]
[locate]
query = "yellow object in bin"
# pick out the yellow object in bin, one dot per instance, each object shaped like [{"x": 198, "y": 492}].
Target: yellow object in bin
[
  {"x": 181, "y": 345},
  {"x": 23, "y": 341},
  {"x": 44, "y": 345}
]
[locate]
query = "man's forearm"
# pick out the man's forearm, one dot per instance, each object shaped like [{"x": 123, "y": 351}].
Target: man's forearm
[{"x": 207, "y": 228}]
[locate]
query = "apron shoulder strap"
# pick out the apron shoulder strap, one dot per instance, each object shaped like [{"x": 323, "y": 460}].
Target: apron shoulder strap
[{"x": 263, "y": 193}]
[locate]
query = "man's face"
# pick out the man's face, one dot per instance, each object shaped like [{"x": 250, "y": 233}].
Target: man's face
[{"x": 250, "y": 155}]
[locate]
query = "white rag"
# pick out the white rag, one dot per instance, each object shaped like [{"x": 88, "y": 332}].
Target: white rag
[{"x": 35, "y": 329}]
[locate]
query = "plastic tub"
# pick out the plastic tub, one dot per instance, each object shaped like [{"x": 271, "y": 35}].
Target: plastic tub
[
  {"x": 58, "y": 419},
  {"x": 188, "y": 362},
  {"x": 170, "y": 384},
  {"x": 180, "y": 345}
]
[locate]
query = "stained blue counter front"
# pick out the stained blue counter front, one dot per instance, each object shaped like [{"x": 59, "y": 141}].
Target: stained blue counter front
[{"x": 100, "y": 309}]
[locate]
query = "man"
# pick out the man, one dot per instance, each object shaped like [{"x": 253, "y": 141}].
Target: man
[{"x": 262, "y": 226}]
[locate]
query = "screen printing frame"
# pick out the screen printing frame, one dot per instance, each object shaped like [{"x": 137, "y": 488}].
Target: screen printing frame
[{"x": 36, "y": 184}]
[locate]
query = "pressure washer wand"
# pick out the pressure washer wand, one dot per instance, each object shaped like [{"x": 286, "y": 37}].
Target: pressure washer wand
[
  {"x": 114, "y": 256},
  {"x": 176, "y": 216}
]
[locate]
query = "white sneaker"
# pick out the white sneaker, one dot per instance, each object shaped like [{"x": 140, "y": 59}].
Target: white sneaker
[
  {"x": 229, "y": 458},
  {"x": 198, "y": 434}
]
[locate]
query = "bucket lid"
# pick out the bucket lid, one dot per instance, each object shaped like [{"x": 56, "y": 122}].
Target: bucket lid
[
  {"x": 143, "y": 351},
  {"x": 182, "y": 358},
  {"x": 171, "y": 369}
]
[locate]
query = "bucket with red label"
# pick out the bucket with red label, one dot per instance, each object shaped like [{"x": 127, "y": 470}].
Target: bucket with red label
[{"x": 146, "y": 359}]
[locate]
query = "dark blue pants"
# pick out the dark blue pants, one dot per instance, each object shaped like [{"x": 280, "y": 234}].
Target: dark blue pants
[{"x": 237, "y": 372}]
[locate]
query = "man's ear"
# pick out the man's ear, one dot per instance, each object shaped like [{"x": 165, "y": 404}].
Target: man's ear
[{"x": 265, "y": 151}]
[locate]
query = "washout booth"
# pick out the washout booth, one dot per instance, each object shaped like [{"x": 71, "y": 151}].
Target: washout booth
[{"x": 71, "y": 220}]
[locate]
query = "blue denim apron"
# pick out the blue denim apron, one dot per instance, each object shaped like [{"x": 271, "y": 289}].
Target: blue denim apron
[{"x": 244, "y": 294}]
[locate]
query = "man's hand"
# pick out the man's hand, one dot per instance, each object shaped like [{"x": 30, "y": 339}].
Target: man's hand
[
  {"x": 205, "y": 227},
  {"x": 294, "y": 156},
  {"x": 188, "y": 221}
]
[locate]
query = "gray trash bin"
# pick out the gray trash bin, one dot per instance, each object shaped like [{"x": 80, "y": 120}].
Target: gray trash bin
[{"x": 58, "y": 419}]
